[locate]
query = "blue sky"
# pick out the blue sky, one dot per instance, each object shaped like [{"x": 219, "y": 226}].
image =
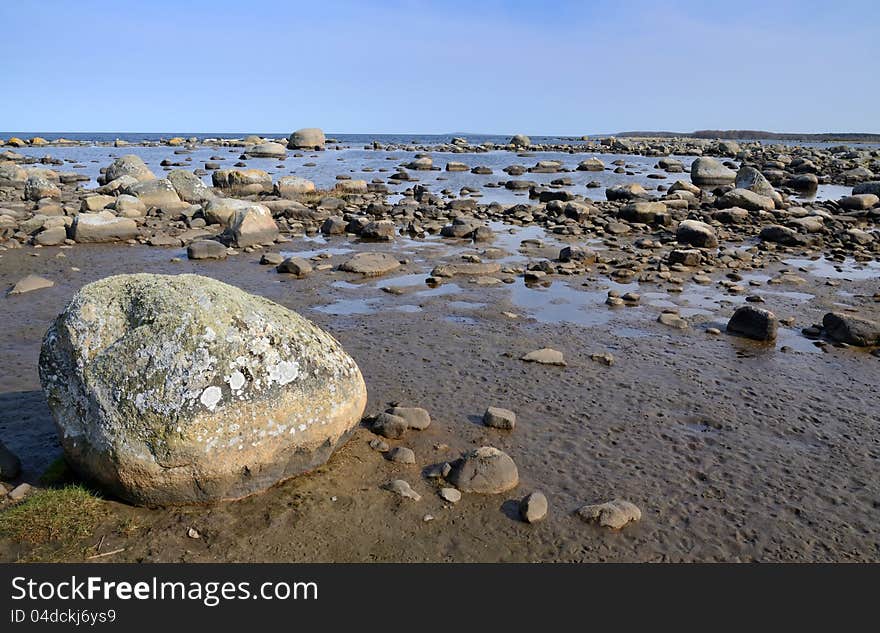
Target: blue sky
[{"x": 414, "y": 66}]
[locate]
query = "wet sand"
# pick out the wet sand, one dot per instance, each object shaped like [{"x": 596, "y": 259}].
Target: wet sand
[{"x": 733, "y": 450}]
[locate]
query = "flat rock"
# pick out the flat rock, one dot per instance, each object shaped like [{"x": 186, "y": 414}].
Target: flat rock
[
  {"x": 372, "y": 264},
  {"x": 613, "y": 514},
  {"x": 545, "y": 356},
  {"x": 30, "y": 283}
]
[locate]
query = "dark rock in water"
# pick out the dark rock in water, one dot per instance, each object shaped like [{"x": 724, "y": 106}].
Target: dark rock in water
[
  {"x": 10, "y": 465},
  {"x": 216, "y": 393},
  {"x": 754, "y": 323},
  {"x": 867, "y": 187},
  {"x": 296, "y": 266},
  {"x": 206, "y": 249},
  {"x": 485, "y": 470},
  {"x": 852, "y": 330},
  {"x": 580, "y": 254}
]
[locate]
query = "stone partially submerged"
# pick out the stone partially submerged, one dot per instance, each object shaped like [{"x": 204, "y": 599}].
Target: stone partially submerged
[{"x": 178, "y": 389}]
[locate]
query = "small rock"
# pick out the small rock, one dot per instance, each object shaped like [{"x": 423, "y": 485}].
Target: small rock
[
  {"x": 415, "y": 417},
  {"x": 402, "y": 488},
  {"x": 271, "y": 259},
  {"x": 485, "y": 470},
  {"x": 20, "y": 492},
  {"x": 545, "y": 356},
  {"x": 605, "y": 358},
  {"x": 378, "y": 445},
  {"x": 450, "y": 494},
  {"x": 402, "y": 455},
  {"x": 296, "y": 266},
  {"x": 193, "y": 533},
  {"x": 612, "y": 514},
  {"x": 499, "y": 418},
  {"x": 390, "y": 426},
  {"x": 533, "y": 507}
]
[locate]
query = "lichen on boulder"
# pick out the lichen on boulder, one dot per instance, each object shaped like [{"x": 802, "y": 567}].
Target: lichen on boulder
[{"x": 173, "y": 389}]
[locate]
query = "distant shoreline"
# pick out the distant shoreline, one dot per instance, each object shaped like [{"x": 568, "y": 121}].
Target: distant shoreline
[{"x": 749, "y": 135}]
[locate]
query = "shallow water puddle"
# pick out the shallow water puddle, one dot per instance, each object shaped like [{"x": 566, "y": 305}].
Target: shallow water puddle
[{"x": 848, "y": 269}]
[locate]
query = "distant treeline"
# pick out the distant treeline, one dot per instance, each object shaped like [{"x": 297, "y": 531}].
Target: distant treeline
[{"x": 760, "y": 134}]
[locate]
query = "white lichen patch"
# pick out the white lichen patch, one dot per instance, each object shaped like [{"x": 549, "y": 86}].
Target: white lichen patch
[
  {"x": 211, "y": 396},
  {"x": 236, "y": 380},
  {"x": 284, "y": 372}
]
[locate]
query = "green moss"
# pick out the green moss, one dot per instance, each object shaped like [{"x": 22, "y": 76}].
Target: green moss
[
  {"x": 53, "y": 521},
  {"x": 57, "y": 474}
]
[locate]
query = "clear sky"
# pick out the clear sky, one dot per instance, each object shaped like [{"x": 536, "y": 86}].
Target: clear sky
[{"x": 411, "y": 66}]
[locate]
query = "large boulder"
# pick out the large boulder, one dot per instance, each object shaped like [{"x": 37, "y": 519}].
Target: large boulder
[
  {"x": 189, "y": 187},
  {"x": 708, "y": 171},
  {"x": 242, "y": 182},
  {"x": 128, "y": 165},
  {"x": 155, "y": 193},
  {"x": 102, "y": 227},
  {"x": 179, "y": 389},
  {"x": 520, "y": 140},
  {"x": 251, "y": 226},
  {"x": 307, "y": 138}
]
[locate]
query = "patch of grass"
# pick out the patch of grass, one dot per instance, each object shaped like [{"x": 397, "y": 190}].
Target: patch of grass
[{"x": 61, "y": 516}]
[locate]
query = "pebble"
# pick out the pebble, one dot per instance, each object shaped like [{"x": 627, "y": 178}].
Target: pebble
[
  {"x": 451, "y": 495},
  {"x": 402, "y": 455},
  {"x": 402, "y": 489},
  {"x": 606, "y": 358}
]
